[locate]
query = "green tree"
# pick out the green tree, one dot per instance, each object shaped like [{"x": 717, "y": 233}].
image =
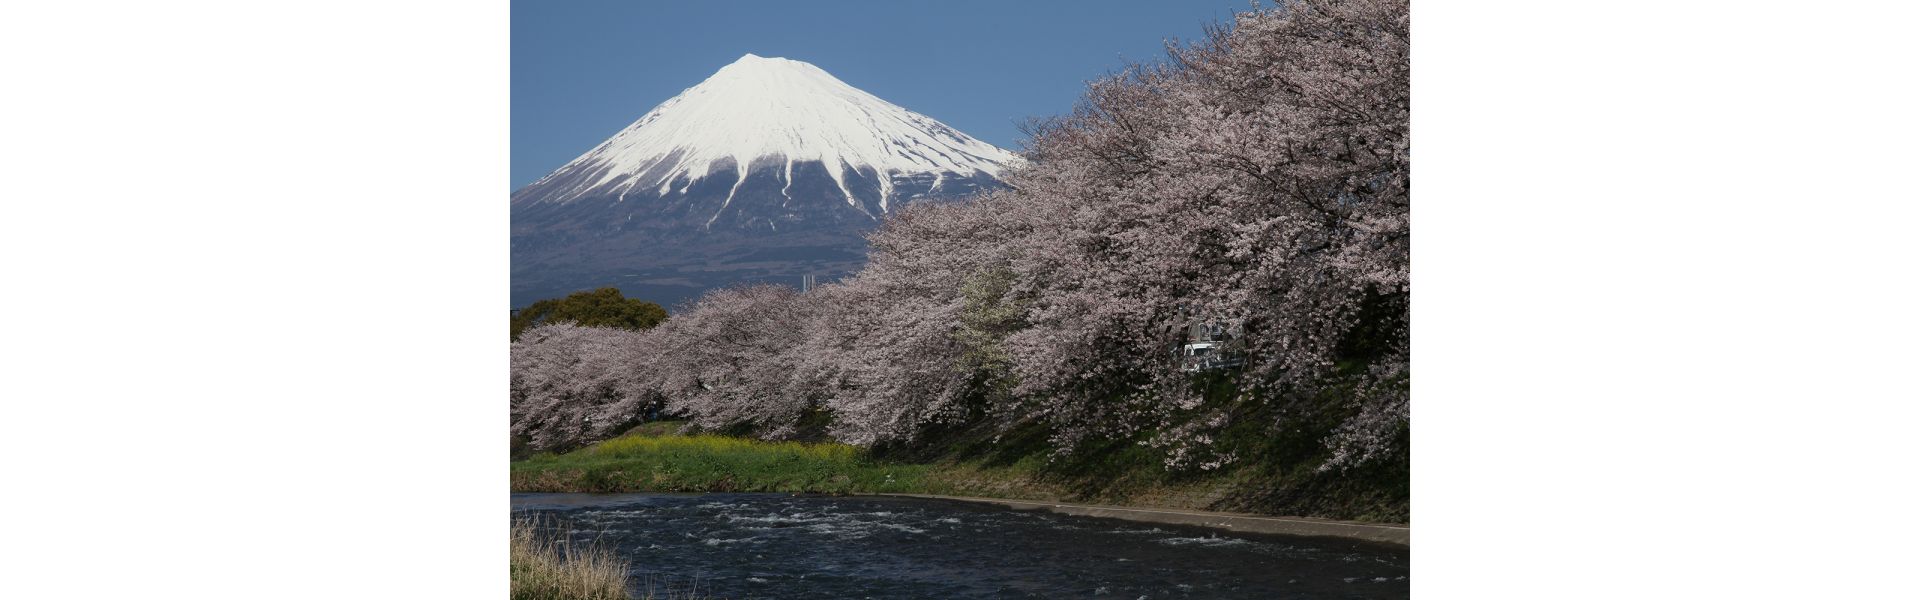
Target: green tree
[{"x": 604, "y": 307}]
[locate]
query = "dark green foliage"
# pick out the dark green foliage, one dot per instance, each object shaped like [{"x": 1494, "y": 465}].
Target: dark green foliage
[
  {"x": 604, "y": 307},
  {"x": 1379, "y": 328}
]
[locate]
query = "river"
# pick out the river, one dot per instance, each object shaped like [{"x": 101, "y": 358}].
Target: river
[{"x": 749, "y": 546}]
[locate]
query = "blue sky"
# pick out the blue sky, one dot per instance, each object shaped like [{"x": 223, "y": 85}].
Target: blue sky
[{"x": 584, "y": 70}]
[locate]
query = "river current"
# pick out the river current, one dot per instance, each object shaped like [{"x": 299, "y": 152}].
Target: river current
[{"x": 742, "y": 546}]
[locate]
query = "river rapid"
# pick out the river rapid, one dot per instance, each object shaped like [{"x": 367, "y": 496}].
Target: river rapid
[{"x": 742, "y": 546}]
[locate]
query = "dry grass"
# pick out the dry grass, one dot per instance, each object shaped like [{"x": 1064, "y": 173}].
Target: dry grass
[{"x": 547, "y": 566}]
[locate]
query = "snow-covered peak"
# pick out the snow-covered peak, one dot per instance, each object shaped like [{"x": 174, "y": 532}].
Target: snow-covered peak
[{"x": 759, "y": 107}]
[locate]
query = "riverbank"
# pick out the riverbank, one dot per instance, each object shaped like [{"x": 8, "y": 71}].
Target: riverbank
[
  {"x": 659, "y": 459},
  {"x": 657, "y": 462},
  {"x": 1392, "y": 534}
]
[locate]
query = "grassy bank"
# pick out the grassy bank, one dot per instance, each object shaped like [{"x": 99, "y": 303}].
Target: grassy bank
[
  {"x": 712, "y": 463},
  {"x": 657, "y": 459}
]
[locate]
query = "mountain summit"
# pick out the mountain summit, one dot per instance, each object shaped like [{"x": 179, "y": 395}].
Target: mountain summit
[
  {"x": 777, "y": 112},
  {"x": 768, "y": 170}
]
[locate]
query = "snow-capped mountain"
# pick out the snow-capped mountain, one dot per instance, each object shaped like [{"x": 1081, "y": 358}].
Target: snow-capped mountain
[{"x": 768, "y": 170}]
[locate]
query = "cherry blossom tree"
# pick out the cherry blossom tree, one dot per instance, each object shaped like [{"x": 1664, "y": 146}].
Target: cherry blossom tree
[
  {"x": 572, "y": 385},
  {"x": 914, "y": 338},
  {"x": 1258, "y": 179},
  {"x": 730, "y": 359}
]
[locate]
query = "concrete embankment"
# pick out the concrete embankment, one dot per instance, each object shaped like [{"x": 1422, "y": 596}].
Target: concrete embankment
[{"x": 1393, "y": 534}]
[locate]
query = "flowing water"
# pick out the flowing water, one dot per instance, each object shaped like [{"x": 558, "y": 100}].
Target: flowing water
[{"x": 742, "y": 546}]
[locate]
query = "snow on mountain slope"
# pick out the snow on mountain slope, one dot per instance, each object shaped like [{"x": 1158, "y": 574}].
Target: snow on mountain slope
[
  {"x": 769, "y": 113},
  {"x": 769, "y": 171}
]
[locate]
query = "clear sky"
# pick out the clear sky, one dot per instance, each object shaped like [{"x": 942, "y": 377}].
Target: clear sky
[{"x": 584, "y": 70}]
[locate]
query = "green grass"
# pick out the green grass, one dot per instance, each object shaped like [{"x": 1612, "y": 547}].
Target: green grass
[{"x": 649, "y": 462}]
